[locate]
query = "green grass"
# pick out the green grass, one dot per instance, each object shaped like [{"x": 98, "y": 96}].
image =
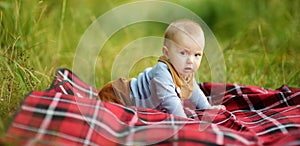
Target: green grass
[{"x": 259, "y": 38}]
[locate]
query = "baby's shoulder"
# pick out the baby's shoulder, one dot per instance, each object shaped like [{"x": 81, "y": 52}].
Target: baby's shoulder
[{"x": 161, "y": 69}]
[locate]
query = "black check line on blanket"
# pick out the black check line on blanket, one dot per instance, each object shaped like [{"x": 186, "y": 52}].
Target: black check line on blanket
[{"x": 69, "y": 113}]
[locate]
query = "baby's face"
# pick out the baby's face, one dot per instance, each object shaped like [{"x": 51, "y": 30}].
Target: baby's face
[{"x": 185, "y": 53}]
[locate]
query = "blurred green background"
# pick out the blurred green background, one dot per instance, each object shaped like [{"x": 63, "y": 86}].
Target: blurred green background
[{"x": 259, "y": 39}]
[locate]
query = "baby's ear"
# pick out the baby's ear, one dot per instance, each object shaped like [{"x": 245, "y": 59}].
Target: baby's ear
[{"x": 165, "y": 51}]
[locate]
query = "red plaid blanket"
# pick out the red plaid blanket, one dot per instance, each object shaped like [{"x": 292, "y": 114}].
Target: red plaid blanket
[{"x": 69, "y": 114}]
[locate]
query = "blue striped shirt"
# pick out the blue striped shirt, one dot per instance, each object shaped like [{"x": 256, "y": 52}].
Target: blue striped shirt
[{"x": 154, "y": 88}]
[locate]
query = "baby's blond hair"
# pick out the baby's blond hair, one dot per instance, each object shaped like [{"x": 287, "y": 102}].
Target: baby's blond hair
[{"x": 185, "y": 27}]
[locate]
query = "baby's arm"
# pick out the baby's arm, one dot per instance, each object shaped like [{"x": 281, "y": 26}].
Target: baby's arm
[
  {"x": 200, "y": 100},
  {"x": 164, "y": 90},
  {"x": 173, "y": 106}
]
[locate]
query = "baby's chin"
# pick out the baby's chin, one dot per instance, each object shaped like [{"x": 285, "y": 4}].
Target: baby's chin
[
  {"x": 187, "y": 72},
  {"x": 186, "y": 75}
]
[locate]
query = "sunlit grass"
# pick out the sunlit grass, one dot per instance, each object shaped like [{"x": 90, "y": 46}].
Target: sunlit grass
[{"x": 259, "y": 39}]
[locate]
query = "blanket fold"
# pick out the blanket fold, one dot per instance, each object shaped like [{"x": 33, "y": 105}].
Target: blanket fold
[{"x": 68, "y": 113}]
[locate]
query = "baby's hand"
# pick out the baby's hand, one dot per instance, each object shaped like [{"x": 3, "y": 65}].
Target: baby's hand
[{"x": 218, "y": 107}]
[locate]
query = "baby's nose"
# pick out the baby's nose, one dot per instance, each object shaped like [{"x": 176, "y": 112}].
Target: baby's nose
[{"x": 190, "y": 59}]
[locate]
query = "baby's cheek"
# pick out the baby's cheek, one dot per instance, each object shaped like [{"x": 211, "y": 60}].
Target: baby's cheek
[{"x": 196, "y": 65}]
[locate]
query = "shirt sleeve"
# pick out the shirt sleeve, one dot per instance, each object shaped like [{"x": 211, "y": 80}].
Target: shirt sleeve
[
  {"x": 168, "y": 97},
  {"x": 162, "y": 89},
  {"x": 198, "y": 98}
]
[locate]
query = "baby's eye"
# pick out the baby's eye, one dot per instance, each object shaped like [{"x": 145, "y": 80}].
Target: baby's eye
[
  {"x": 182, "y": 53},
  {"x": 198, "y": 55}
]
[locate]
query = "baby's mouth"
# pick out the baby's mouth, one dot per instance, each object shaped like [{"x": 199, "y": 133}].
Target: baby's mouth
[{"x": 188, "y": 69}]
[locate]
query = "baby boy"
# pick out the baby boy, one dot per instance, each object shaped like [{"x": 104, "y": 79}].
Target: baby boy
[{"x": 171, "y": 81}]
